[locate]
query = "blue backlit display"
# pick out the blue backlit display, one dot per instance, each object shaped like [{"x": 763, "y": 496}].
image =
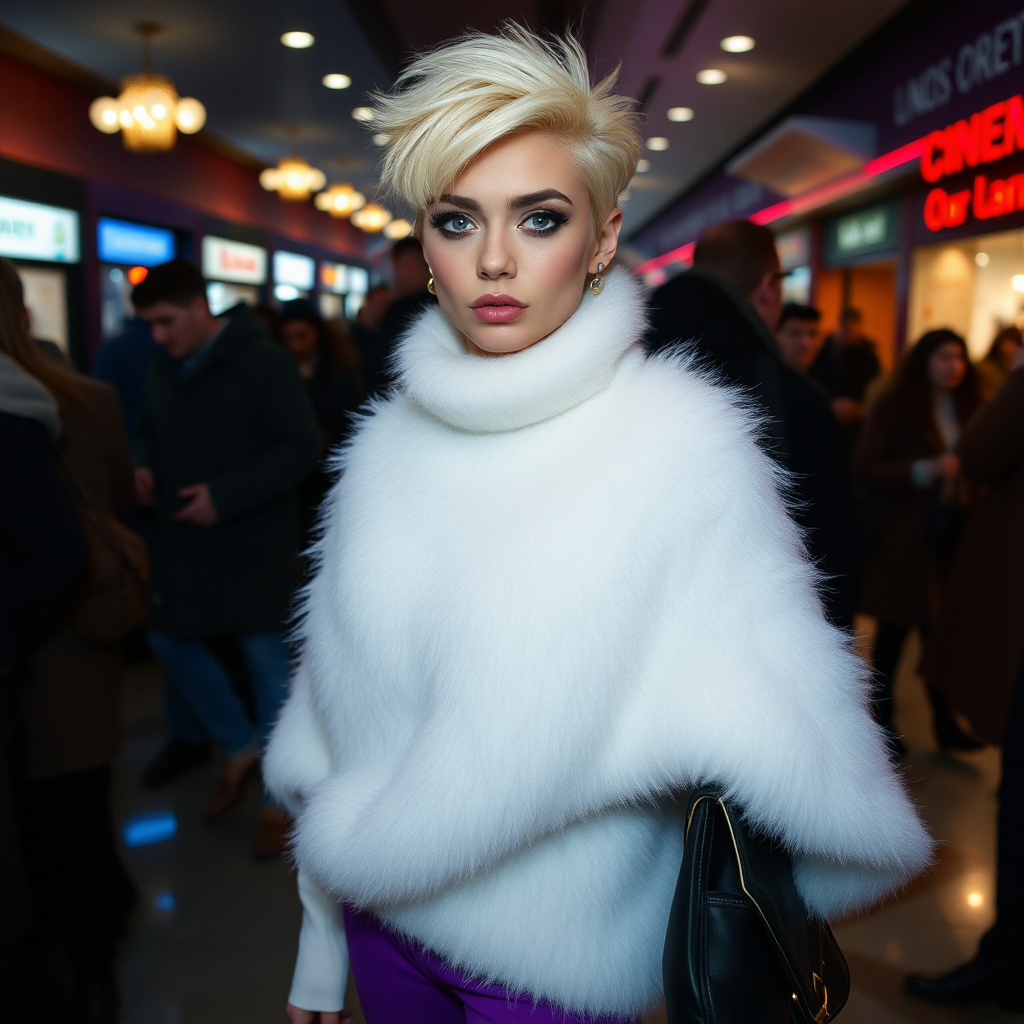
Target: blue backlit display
[
  {"x": 146, "y": 829},
  {"x": 120, "y": 241}
]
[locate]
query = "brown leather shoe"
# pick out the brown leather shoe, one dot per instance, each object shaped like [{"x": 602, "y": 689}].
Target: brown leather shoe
[
  {"x": 230, "y": 789},
  {"x": 272, "y": 829}
]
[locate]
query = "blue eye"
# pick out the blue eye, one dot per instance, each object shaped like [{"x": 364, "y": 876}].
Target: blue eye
[
  {"x": 544, "y": 222},
  {"x": 451, "y": 225}
]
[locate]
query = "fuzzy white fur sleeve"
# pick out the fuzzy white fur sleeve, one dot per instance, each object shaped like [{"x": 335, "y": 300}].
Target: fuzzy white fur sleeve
[{"x": 298, "y": 756}]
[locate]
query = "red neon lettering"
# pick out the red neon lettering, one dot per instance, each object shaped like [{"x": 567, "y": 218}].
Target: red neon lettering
[
  {"x": 961, "y": 145},
  {"x": 981, "y": 207},
  {"x": 990, "y": 133},
  {"x": 1013, "y": 133},
  {"x": 993, "y": 133},
  {"x": 942, "y": 210},
  {"x": 959, "y": 204},
  {"x": 935, "y": 206},
  {"x": 932, "y": 168},
  {"x": 1015, "y": 190}
]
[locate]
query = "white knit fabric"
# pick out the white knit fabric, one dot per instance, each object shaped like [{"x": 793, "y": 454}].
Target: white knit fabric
[{"x": 557, "y": 586}]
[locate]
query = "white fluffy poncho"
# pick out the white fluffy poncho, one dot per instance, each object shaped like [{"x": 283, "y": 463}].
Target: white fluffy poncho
[{"x": 556, "y": 586}]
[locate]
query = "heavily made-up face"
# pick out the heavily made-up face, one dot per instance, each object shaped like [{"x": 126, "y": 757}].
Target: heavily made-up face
[{"x": 512, "y": 247}]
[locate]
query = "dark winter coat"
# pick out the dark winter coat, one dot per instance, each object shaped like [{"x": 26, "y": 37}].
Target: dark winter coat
[
  {"x": 242, "y": 424},
  {"x": 70, "y": 688},
  {"x": 975, "y": 650},
  {"x": 701, "y": 312},
  {"x": 900, "y": 569}
]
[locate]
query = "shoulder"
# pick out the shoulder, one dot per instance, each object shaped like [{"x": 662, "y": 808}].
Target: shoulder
[{"x": 679, "y": 407}]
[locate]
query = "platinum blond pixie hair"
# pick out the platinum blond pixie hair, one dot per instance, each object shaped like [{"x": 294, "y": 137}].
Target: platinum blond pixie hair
[{"x": 449, "y": 105}]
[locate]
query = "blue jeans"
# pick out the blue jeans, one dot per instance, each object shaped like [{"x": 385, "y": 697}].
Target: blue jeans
[{"x": 199, "y": 700}]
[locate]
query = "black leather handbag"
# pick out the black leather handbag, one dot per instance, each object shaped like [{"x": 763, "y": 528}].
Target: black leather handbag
[{"x": 740, "y": 947}]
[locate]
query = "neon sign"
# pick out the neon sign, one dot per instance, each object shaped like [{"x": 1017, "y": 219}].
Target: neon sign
[{"x": 986, "y": 137}]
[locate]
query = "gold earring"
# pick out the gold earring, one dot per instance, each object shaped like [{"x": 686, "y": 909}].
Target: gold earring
[
  {"x": 430, "y": 287},
  {"x": 597, "y": 285}
]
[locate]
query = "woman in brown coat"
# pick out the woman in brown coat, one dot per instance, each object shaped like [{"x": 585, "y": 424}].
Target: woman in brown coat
[
  {"x": 978, "y": 642},
  {"x": 68, "y": 700},
  {"x": 906, "y": 460}
]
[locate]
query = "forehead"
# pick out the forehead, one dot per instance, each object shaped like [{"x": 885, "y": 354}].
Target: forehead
[
  {"x": 161, "y": 311},
  {"x": 520, "y": 164}
]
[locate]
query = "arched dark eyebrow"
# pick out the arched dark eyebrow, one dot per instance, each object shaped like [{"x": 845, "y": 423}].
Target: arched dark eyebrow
[
  {"x": 516, "y": 203},
  {"x": 532, "y": 198}
]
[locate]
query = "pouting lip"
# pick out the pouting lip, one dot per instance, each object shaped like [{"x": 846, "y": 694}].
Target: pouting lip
[{"x": 496, "y": 300}]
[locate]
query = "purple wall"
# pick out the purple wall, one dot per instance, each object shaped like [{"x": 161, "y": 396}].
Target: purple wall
[{"x": 969, "y": 56}]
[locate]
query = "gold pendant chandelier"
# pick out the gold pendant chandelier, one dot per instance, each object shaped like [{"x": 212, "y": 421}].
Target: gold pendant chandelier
[
  {"x": 293, "y": 179},
  {"x": 372, "y": 218},
  {"x": 340, "y": 200},
  {"x": 148, "y": 113}
]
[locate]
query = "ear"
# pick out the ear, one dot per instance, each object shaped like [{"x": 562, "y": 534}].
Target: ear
[{"x": 607, "y": 241}]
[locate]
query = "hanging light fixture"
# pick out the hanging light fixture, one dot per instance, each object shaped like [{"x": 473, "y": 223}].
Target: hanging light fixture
[
  {"x": 293, "y": 179},
  {"x": 340, "y": 200},
  {"x": 400, "y": 228},
  {"x": 372, "y": 218},
  {"x": 148, "y": 113}
]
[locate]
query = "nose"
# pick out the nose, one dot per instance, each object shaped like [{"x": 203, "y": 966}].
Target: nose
[{"x": 496, "y": 259}]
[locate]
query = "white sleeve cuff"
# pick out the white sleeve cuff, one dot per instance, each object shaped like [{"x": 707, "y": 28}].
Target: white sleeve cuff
[{"x": 321, "y": 968}]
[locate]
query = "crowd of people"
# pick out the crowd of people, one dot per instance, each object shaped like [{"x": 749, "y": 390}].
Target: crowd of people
[{"x": 212, "y": 438}]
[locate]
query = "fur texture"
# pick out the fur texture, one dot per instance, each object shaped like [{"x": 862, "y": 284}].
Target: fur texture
[{"x": 555, "y": 587}]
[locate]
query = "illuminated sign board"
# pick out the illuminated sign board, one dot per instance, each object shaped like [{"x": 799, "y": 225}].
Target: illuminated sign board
[
  {"x": 120, "y": 241},
  {"x": 225, "y": 260},
  {"x": 358, "y": 281},
  {"x": 874, "y": 231},
  {"x": 334, "y": 277},
  {"x": 292, "y": 269},
  {"x": 32, "y": 231},
  {"x": 985, "y": 138}
]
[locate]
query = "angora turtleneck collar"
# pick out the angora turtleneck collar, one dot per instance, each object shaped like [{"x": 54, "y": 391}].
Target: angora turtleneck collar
[{"x": 494, "y": 393}]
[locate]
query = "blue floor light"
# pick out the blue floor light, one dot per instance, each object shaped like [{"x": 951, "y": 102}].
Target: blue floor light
[{"x": 147, "y": 829}]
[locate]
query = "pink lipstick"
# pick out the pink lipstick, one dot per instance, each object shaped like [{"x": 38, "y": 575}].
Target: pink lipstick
[{"x": 497, "y": 309}]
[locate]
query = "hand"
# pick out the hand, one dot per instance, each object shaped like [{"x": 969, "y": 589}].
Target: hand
[
  {"x": 200, "y": 511},
  {"x": 846, "y": 410},
  {"x": 145, "y": 487},
  {"x": 297, "y": 1016},
  {"x": 945, "y": 466}
]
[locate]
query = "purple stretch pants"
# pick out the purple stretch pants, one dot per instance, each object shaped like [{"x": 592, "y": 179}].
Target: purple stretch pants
[{"x": 400, "y": 982}]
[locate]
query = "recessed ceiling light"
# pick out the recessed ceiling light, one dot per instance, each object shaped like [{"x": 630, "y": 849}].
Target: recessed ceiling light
[
  {"x": 336, "y": 81},
  {"x": 981, "y": 259},
  {"x": 658, "y": 143},
  {"x": 680, "y": 114},
  {"x": 737, "y": 44},
  {"x": 363, "y": 113},
  {"x": 643, "y": 166},
  {"x": 298, "y": 40},
  {"x": 711, "y": 76}
]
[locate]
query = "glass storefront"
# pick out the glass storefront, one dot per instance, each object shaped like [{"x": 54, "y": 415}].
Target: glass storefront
[{"x": 973, "y": 285}]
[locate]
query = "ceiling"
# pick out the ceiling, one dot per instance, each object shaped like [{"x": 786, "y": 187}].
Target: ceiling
[{"x": 227, "y": 53}]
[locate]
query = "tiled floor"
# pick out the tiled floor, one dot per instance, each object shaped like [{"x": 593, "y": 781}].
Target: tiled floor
[{"x": 215, "y": 935}]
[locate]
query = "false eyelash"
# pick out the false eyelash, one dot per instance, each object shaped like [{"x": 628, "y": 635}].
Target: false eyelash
[
  {"x": 557, "y": 216},
  {"x": 439, "y": 218}
]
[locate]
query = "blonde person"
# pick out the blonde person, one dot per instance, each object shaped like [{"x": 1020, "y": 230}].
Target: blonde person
[{"x": 557, "y": 585}]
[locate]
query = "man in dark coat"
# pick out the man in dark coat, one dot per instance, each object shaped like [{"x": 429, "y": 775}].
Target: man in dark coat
[
  {"x": 845, "y": 366},
  {"x": 225, "y": 436},
  {"x": 725, "y": 309},
  {"x": 410, "y": 276}
]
